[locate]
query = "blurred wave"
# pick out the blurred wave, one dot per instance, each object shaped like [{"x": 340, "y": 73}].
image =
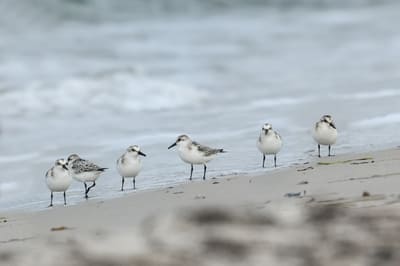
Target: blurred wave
[
  {"x": 94, "y": 11},
  {"x": 379, "y": 121},
  {"x": 117, "y": 91}
]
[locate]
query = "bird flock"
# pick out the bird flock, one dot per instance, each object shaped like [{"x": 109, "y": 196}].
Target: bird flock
[{"x": 129, "y": 165}]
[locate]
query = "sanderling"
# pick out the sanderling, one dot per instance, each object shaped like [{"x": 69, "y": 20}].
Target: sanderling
[
  {"x": 58, "y": 179},
  {"x": 269, "y": 142},
  {"x": 84, "y": 171},
  {"x": 130, "y": 164},
  {"x": 325, "y": 133},
  {"x": 194, "y": 153}
]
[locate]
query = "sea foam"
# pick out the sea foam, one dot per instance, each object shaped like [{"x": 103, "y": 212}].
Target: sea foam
[
  {"x": 393, "y": 118},
  {"x": 115, "y": 92}
]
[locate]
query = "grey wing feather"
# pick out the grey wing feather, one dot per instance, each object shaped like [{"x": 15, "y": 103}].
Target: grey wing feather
[
  {"x": 207, "y": 150},
  {"x": 121, "y": 159},
  {"x": 277, "y": 135},
  {"x": 86, "y": 166},
  {"x": 49, "y": 173}
]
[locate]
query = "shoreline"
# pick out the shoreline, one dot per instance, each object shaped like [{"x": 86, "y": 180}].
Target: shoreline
[
  {"x": 368, "y": 180},
  {"x": 314, "y": 161},
  {"x": 74, "y": 196}
]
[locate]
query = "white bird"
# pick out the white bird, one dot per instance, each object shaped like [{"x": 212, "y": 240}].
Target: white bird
[
  {"x": 192, "y": 153},
  {"x": 58, "y": 179},
  {"x": 84, "y": 171},
  {"x": 325, "y": 133},
  {"x": 269, "y": 142},
  {"x": 130, "y": 164}
]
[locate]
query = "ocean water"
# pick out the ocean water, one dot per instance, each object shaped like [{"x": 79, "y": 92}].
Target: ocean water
[{"x": 93, "y": 77}]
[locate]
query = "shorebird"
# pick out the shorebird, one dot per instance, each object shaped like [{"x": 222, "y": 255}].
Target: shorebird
[
  {"x": 194, "y": 153},
  {"x": 269, "y": 142},
  {"x": 325, "y": 133},
  {"x": 130, "y": 164},
  {"x": 58, "y": 179},
  {"x": 84, "y": 171}
]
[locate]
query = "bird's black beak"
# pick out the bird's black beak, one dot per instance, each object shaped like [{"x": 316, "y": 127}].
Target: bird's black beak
[
  {"x": 141, "y": 153},
  {"x": 65, "y": 167},
  {"x": 173, "y": 145},
  {"x": 332, "y": 125}
]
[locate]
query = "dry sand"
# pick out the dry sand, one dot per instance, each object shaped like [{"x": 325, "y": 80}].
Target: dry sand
[{"x": 332, "y": 211}]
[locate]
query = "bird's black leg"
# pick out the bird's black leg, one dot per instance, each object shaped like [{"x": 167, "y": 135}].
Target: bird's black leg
[
  {"x": 89, "y": 188},
  {"x": 263, "y": 165},
  {"x": 191, "y": 171},
  {"x": 86, "y": 190},
  {"x": 65, "y": 199},
  {"x": 205, "y": 169},
  {"x": 51, "y": 199},
  {"x": 329, "y": 150},
  {"x": 319, "y": 151},
  {"x": 275, "y": 160},
  {"x": 134, "y": 183},
  {"x": 92, "y": 186},
  {"x": 122, "y": 183}
]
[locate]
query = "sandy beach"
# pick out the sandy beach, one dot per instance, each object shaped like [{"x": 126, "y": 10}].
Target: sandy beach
[
  {"x": 106, "y": 80},
  {"x": 114, "y": 229}
]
